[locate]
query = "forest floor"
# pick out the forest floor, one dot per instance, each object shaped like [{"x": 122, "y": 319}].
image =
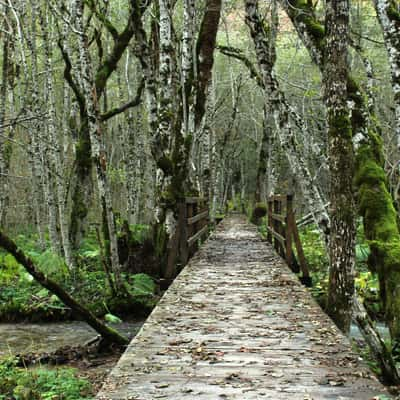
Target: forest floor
[{"x": 96, "y": 369}]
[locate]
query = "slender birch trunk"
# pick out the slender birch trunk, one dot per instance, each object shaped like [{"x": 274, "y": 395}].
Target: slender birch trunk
[
  {"x": 55, "y": 149},
  {"x": 388, "y": 13},
  {"x": 3, "y": 109},
  {"x": 341, "y": 165},
  {"x": 97, "y": 147},
  {"x": 30, "y": 92},
  {"x": 281, "y": 110},
  {"x": 44, "y": 165}
]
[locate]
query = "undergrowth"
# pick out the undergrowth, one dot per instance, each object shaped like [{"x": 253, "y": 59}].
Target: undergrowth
[
  {"x": 41, "y": 384},
  {"x": 21, "y": 298}
]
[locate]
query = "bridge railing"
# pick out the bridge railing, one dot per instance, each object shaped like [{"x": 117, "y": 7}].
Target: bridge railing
[
  {"x": 193, "y": 225},
  {"x": 282, "y": 233},
  {"x": 194, "y": 213}
]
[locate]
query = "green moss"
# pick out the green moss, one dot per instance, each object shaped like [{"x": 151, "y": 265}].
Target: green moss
[
  {"x": 260, "y": 211},
  {"x": 165, "y": 163},
  {"x": 83, "y": 152},
  {"x": 369, "y": 173},
  {"x": 380, "y": 226},
  {"x": 369, "y": 161},
  {"x": 393, "y": 12},
  {"x": 161, "y": 239},
  {"x": 341, "y": 125},
  {"x": 303, "y": 11},
  {"x": 102, "y": 75},
  {"x": 354, "y": 94},
  {"x": 79, "y": 211},
  {"x": 8, "y": 152}
]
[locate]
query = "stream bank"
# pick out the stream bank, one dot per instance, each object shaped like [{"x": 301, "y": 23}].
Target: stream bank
[{"x": 47, "y": 338}]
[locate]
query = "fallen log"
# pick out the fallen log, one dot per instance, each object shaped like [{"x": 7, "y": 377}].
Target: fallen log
[{"x": 109, "y": 335}]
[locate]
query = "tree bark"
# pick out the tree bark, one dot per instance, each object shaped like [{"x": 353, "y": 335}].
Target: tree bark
[
  {"x": 375, "y": 204},
  {"x": 276, "y": 101},
  {"x": 30, "y": 93},
  {"x": 376, "y": 344},
  {"x": 98, "y": 153},
  {"x": 55, "y": 150},
  {"x": 81, "y": 190},
  {"x": 388, "y": 13},
  {"x": 3, "y": 108},
  {"x": 341, "y": 166}
]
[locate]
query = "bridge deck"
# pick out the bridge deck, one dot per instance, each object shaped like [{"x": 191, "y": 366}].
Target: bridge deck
[{"x": 237, "y": 324}]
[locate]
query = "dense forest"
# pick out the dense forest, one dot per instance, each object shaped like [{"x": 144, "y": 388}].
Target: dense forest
[{"x": 112, "y": 113}]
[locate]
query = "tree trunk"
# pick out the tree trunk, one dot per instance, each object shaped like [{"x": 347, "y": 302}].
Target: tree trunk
[
  {"x": 341, "y": 166},
  {"x": 98, "y": 153},
  {"x": 282, "y": 111},
  {"x": 378, "y": 348},
  {"x": 44, "y": 165},
  {"x": 375, "y": 204},
  {"x": 388, "y": 13},
  {"x": 34, "y": 153},
  {"x": 3, "y": 108}
]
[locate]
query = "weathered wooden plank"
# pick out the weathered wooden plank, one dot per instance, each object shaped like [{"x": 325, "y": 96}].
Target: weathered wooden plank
[
  {"x": 197, "y": 217},
  {"x": 276, "y": 235},
  {"x": 278, "y": 197},
  {"x": 279, "y": 217},
  {"x": 194, "y": 200},
  {"x": 197, "y": 236},
  {"x": 236, "y": 324}
]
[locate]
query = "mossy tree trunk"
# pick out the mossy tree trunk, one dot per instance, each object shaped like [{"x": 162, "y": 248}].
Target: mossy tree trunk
[
  {"x": 375, "y": 204},
  {"x": 3, "y": 107},
  {"x": 263, "y": 163},
  {"x": 97, "y": 150},
  {"x": 81, "y": 190},
  {"x": 178, "y": 109},
  {"x": 283, "y": 114},
  {"x": 341, "y": 166}
]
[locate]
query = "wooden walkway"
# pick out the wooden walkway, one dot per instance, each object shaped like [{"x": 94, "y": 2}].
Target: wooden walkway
[{"x": 237, "y": 324}]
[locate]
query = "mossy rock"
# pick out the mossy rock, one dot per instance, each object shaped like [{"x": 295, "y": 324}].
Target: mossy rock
[{"x": 260, "y": 211}]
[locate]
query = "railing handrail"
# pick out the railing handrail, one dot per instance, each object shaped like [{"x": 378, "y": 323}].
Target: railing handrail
[
  {"x": 282, "y": 232},
  {"x": 193, "y": 224}
]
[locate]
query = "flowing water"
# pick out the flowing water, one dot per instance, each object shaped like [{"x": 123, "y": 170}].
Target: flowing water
[
  {"x": 48, "y": 337},
  {"x": 380, "y": 326}
]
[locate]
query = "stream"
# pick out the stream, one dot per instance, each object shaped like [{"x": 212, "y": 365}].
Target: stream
[
  {"x": 380, "y": 326},
  {"x": 48, "y": 337}
]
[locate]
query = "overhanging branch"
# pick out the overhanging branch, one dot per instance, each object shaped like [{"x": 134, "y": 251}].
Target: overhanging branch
[
  {"x": 133, "y": 103},
  {"x": 238, "y": 54}
]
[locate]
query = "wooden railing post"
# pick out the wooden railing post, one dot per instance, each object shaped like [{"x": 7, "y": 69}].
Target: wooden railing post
[
  {"x": 305, "y": 279},
  {"x": 193, "y": 217},
  {"x": 191, "y": 228},
  {"x": 270, "y": 221},
  {"x": 183, "y": 246},
  {"x": 275, "y": 225},
  {"x": 289, "y": 233},
  {"x": 282, "y": 232}
]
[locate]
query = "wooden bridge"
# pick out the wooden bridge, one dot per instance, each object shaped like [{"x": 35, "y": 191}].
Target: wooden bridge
[{"x": 238, "y": 324}]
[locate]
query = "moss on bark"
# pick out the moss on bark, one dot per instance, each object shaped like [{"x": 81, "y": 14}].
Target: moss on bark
[
  {"x": 374, "y": 200},
  {"x": 381, "y": 228}
]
